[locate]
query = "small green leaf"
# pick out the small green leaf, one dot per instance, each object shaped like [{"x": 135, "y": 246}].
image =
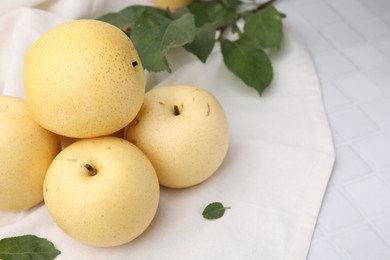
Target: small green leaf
[
  {"x": 203, "y": 43},
  {"x": 231, "y": 3},
  {"x": 27, "y": 247},
  {"x": 265, "y": 27},
  {"x": 125, "y": 18},
  {"x": 214, "y": 210},
  {"x": 213, "y": 12},
  {"x": 179, "y": 12},
  {"x": 154, "y": 34},
  {"x": 248, "y": 62}
]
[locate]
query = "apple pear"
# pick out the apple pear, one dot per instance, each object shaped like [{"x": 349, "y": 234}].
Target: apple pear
[
  {"x": 66, "y": 141},
  {"x": 83, "y": 79},
  {"x": 102, "y": 191},
  {"x": 26, "y": 151},
  {"x": 172, "y": 4},
  {"x": 184, "y": 132}
]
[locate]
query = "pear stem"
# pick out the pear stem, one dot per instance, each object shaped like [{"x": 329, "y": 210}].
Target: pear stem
[
  {"x": 176, "y": 111},
  {"x": 91, "y": 170}
]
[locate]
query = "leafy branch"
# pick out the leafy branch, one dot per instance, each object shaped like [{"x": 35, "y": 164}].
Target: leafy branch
[{"x": 244, "y": 35}]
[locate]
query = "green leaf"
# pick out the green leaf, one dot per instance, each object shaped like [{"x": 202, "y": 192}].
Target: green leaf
[
  {"x": 231, "y": 3},
  {"x": 203, "y": 43},
  {"x": 265, "y": 27},
  {"x": 27, "y": 247},
  {"x": 214, "y": 12},
  {"x": 125, "y": 18},
  {"x": 214, "y": 210},
  {"x": 154, "y": 34},
  {"x": 209, "y": 16},
  {"x": 178, "y": 12},
  {"x": 249, "y": 62}
]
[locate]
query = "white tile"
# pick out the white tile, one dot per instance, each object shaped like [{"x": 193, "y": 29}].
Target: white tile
[
  {"x": 331, "y": 64},
  {"x": 322, "y": 250},
  {"x": 333, "y": 98},
  {"x": 376, "y": 5},
  {"x": 285, "y": 7},
  {"x": 375, "y": 149},
  {"x": 337, "y": 138},
  {"x": 317, "y": 234},
  {"x": 351, "y": 123},
  {"x": 365, "y": 55},
  {"x": 358, "y": 87},
  {"x": 381, "y": 77},
  {"x": 384, "y": 45},
  {"x": 304, "y": 2},
  {"x": 337, "y": 213},
  {"x": 348, "y": 165},
  {"x": 383, "y": 228},
  {"x": 349, "y": 8},
  {"x": 316, "y": 42},
  {"x": 386, "y": 16},
  {"x": 318, "y": 14},
  {"x": 341, "y": 34},
  {"x": 296, "y": 22},
  {"x": 361, "y": 244},
  {"x": 370, "y": 26},
  {"x": 378, "y": 111},
  {"x": 371, "y": 194},
  {"x": 386, "y": 175}
]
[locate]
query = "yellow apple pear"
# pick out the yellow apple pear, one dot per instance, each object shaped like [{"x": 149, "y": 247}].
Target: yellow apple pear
[
  {"x": 66, "y": 141},
  {"x": 83, "y": 79},
  {"x": 184, "y": 132},
  {"x": 26, "y": 151},
  {"x": 172, "y": 4},
  {"x": 102, "y": 191}
]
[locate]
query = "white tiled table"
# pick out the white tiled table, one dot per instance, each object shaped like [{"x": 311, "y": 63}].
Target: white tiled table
[{"x": 349, "y": 41}]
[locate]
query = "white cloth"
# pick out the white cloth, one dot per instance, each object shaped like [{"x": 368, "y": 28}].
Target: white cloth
[{"x": 273, "y": 178}]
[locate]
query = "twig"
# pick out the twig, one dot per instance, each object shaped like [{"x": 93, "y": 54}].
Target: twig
[{"x": 264, "y": 5}]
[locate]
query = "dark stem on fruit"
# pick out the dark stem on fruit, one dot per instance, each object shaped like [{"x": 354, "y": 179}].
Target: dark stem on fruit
[
  {"x": 176, "y": 111},
  {"x": 126, "y": 28},
  {"x": 91, "y": 170},
  {"x": 134, "y": 63}
]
